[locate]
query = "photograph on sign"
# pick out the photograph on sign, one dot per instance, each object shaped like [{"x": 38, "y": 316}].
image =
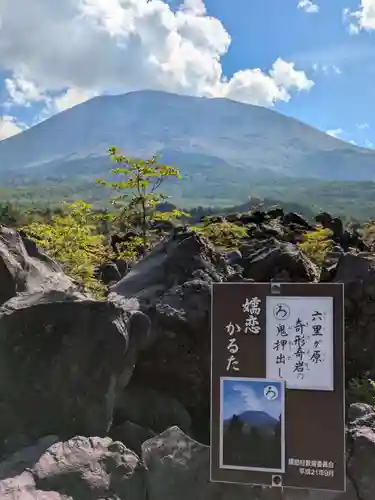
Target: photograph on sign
[
  {"x": 252, "y": 424},
  {"x": 299, "y": 342}
]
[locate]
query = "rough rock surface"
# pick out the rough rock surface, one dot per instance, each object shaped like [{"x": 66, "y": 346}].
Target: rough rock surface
[
  {"x": 358, "y": 275},
  {"x": 173, "y": 466},
  {"x": 172, "y": 285},
  {"x": 132, "y": 435},
  {"x": 178, "y": 468},
  {"x": 79, "y": 469},
  {"x": 265, "y": 260},
  {"x": 61, "y": 359},
  {"x": 66, "y": 361},
  {"x": 361, "y": 450},
  {"x": 25, "y": 268},
  {"x": 150, "y": 409}
]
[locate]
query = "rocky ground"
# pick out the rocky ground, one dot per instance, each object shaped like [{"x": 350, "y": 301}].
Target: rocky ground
[{"x": 110, "y": 399}]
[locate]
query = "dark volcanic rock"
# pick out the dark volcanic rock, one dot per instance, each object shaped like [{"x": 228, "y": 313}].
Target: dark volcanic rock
[
  {"x": 25, "y": 268},
  {"x": 132, "y": 435},
  {"x": 172, "y": 262},
  {"x": 66, "y": 361},
  {"x": 133, "y": 403},
  {"x": 271, "y": 260},
  {"x": 361, "y": 452},
  {"x": 178, "y": 468},
  {"x": 293, "y": 218},
  {"x": 61, "y": 359},
  {"x": 108, "y": 273},
  {"x": 172, "y": 285},
  {"x": 275, "y": 213},
  {"x": 358, "y": 275},
  {"x": 324, "y": 218},
  {"x": 173, "y": 466}
]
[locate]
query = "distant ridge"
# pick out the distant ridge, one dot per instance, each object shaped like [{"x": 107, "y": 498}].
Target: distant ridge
[
  {"x": 221, "y": 146},
  {"x": 256, "y": 419}
]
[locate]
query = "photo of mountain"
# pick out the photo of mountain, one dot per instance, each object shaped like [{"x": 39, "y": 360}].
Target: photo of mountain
[{"x": 252, "y": 424}]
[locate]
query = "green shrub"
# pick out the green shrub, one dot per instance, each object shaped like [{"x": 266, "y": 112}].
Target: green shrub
[
  {"x": 316, "y": 245},
  {"x": 362, "y": 390},
  {"x": 223, "y": 235}
]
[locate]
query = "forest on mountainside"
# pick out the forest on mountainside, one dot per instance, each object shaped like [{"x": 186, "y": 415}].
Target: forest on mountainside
[
  {"x": 347, "y": 199},
  {"x": 84, "y": 236}
]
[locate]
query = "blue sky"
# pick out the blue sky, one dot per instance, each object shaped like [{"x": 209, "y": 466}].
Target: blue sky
[
  {"x": 310, "y": 59},
  {"x": 241, "y": 395},
  {"x": 341, "y": 64}
]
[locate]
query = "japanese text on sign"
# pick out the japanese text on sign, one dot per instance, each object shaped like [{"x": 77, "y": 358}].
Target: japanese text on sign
[
  {"x": 252, "y": 308},
  {"x": 313, "y": 467},
  {"x": 299, "y": 333},
  {"x": 232, "y": 346}
]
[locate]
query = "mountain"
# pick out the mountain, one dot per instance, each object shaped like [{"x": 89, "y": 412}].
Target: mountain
[
  {"x": 221, "y": 146},
  {"x": 256, "y": 419}
]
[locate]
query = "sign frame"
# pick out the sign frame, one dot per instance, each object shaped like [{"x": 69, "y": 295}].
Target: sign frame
[{"x": 225, "y": 298}]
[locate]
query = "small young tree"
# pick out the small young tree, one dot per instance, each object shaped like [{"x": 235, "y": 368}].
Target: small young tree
[
  {"x": 137, "y": 191},
  {"x": 72, "y": 240}
]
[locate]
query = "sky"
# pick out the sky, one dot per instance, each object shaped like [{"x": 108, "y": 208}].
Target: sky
[
  {"x": 310, "y": 59},
  {"x": 239, "y": 396}
]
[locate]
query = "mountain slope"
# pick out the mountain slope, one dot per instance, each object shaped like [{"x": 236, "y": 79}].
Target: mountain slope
[
  {"x": 216, "y": 142},
  {"x": 256, "y": 419}
]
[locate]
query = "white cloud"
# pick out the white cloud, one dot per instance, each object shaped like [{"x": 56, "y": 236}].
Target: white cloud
[
  {"x": 326, "y": 68},
  {"x": 255, "y": 87},
  {"x": 362, "y": 126},
  {"x": 251, "y": 400},
  {"x": 71, "y": 97},
  {"x": 308, "y": 6},
  {"x": 196, "y": 7},
  {"x": 22, "y": 92},
  {"x": 60, "y": 53},
  {"x": 361, "y": 19},
  {"x": 9, "y": 127},
  {"x": 335, "y": 132}
]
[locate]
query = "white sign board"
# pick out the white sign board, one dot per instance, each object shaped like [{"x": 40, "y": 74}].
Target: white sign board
[{"x": 299, "y": 332}]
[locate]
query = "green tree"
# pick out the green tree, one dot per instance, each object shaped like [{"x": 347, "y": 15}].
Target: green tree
[
  {"x": 72, "y": 240},
  {"x": 137, "y": 191},
  {"x": 9, "y": 215}
]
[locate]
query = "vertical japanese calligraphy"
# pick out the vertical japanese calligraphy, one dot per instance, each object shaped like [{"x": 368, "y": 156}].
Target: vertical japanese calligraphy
[
  {"x": 232, "y": 347},
  {"x": 252, "y": 308},
  {"x": 299, "y": 345}
]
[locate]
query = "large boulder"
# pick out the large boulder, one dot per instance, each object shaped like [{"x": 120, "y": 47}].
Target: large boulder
[
  {"x": 131, "y": 435},
  {"x": 172, "y": 466},
  {"x": 133, "y": 404},
  {"x": 361, "y": 450},
  {"x": 358, "y": 275},
  {"x": 172, "y": 285},
  {"x": 79, "y": 469},
  {"x": 178, "y": 468},
  {"x": 25, "y": 268},
  {"x": 265, "y": 260},
  {"x": 62, "y": 358},
  {"x": 172, "y": 262}
]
